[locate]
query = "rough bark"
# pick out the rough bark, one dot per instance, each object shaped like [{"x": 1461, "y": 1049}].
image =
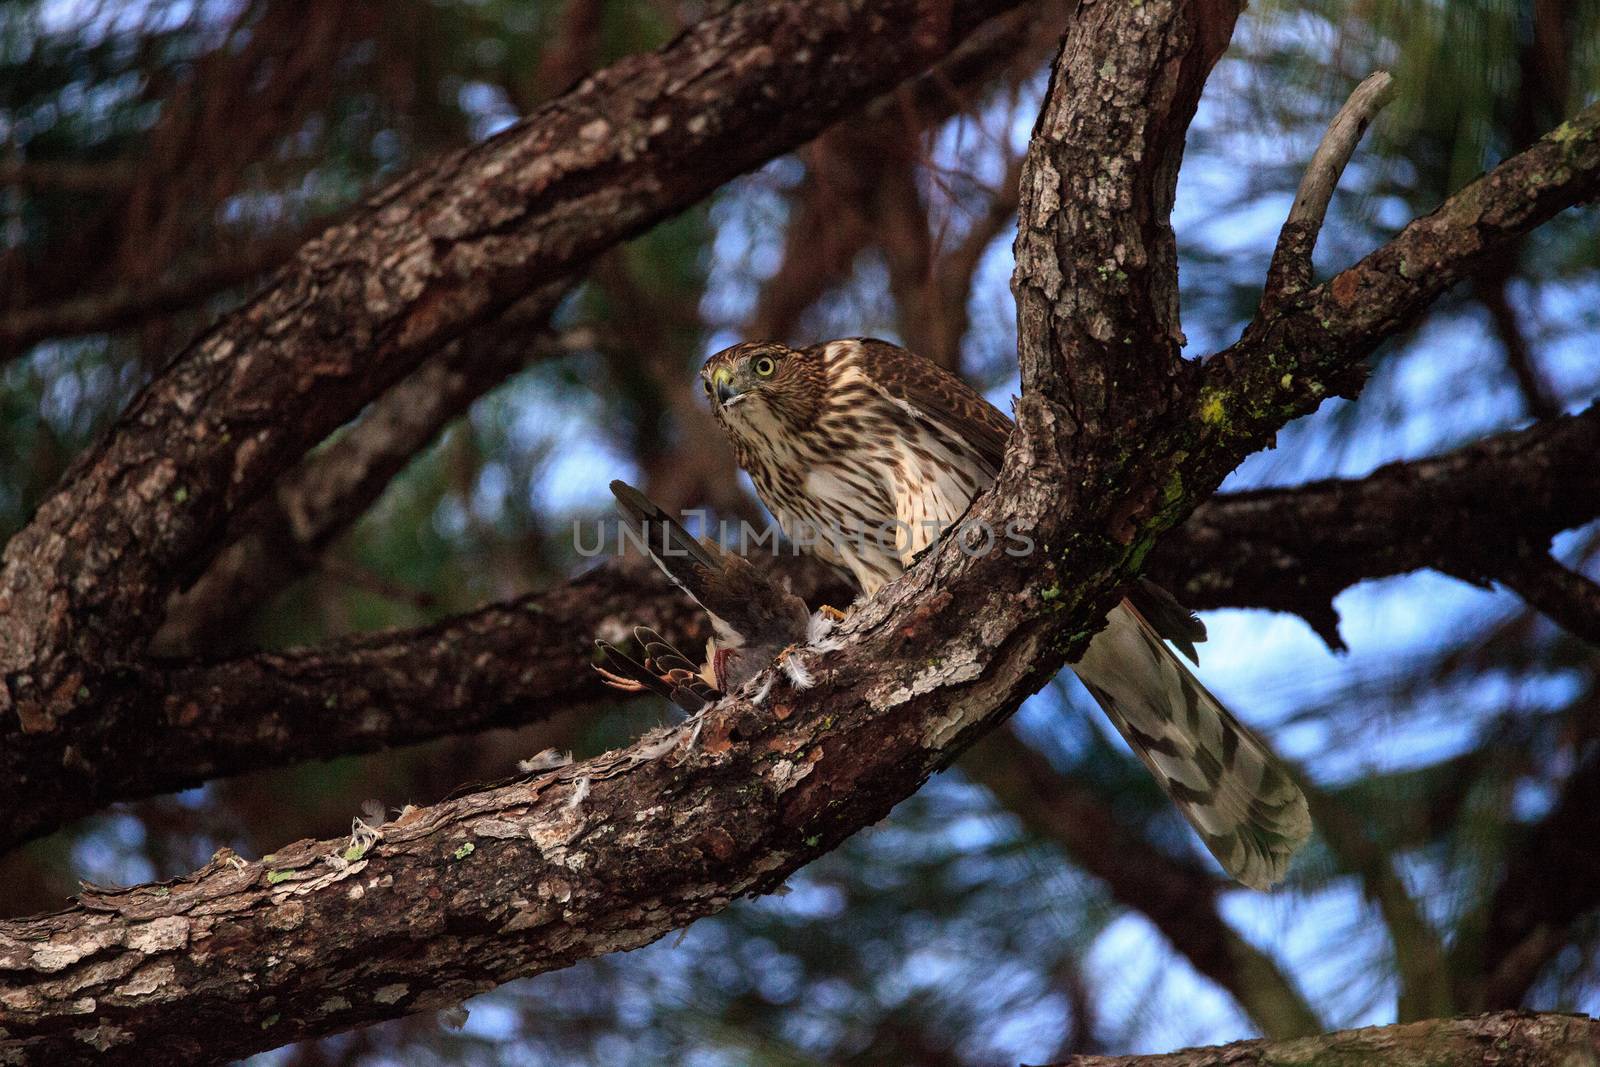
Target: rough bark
[
  {"x": 1506, "y": 1039},
  {"x": 168, "y": 726},
  {"x": 439, "y": 251},
  {"x": 615, "y": 852},
  {"x": 284, "y": 534}
]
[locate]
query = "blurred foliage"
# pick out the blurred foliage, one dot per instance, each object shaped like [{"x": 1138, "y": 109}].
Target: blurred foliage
[{"x": 950, "y": 934}]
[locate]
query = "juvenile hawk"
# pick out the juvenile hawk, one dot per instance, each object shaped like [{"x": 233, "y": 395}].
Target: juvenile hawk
[{"x": 849, "y": 438}]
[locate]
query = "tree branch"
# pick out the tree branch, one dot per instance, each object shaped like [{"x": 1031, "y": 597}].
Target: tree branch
[
  {"x": 1296, "y": 549},
  {"x": 1567, "y": 597},
  {"x": 174, "y": 725},
  {"x": 1419, "y": 953},
  {"x": 167, "y": 727},
  {"x": 1288, "y": 360},
  {"x": 441, "y": 250},
  {"x": 528, "y": 877},
  {"x": 1508, "y": 1039},
  {"x": 1289, "y": 273},
  {"x": 1551, "y": 879}
]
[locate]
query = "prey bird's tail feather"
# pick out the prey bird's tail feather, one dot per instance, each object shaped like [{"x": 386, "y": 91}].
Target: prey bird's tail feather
[
  {"x": 665, "y": 672},
  {"x": 1238, "y": 796}
]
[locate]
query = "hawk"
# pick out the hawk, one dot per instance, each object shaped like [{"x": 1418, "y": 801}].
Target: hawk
[
  {"x": 754, "y": 620},
  {"x": 848, "y": 439}
]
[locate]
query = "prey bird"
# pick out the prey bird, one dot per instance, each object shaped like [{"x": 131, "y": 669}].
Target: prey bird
[
  {"x": 851, "y": 438},
  {"x": 754, "y": 620}
]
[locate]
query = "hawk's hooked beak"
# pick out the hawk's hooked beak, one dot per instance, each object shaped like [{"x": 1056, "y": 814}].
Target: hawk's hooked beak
[{"x": 727, "y": 393}]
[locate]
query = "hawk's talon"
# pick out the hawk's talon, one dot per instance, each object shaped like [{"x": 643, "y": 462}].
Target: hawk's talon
[{"x": 831, "y": 612}]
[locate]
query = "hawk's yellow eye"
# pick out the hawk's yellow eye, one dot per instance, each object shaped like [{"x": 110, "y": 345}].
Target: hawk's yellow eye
[{"x": 765, "y": 367}]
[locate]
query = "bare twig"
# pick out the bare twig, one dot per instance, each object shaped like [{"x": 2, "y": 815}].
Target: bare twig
[
  {"x": 1529, "y": 918},
  {"x": 68, "y": 175},
  {"x": 1493, "y": 292},
  {"x": 1290, "y": 271},
  {"x": 359, "y": 577}
]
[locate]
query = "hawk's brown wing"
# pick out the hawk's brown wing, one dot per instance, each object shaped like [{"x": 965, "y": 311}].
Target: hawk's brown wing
[
  {"x": 938, "y": 398},
  {"x": 942, "y": 400}
]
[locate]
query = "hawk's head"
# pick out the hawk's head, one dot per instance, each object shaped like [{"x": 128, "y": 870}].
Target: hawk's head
[{"x": 759, "y": 388}]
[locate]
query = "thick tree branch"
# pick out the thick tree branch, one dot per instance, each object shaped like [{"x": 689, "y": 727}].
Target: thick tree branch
[
  {"x": 1296, "y": 549},
  {"x": 1508, "y": 1039},
  {"x": 1284, "y": 549},
  {"x": 532, "y": 876},
  {"x": 438, "y": 252},
  {"x": 164, "y": 728}
]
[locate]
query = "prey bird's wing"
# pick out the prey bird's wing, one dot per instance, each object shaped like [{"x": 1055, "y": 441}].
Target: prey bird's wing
[
  {"x": 1168, "y": 617},
  {"x": 665, "y": 672},
  {"x": 689, "y": 563},
  {"x": 745, "y": 605}
]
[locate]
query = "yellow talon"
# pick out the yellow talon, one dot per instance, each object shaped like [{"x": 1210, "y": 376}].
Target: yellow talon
[{"x": 832, "y": 612}]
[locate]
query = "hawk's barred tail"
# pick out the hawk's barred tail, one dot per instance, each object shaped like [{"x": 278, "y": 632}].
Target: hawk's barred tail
[{"x": 1237, "y": 795}]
